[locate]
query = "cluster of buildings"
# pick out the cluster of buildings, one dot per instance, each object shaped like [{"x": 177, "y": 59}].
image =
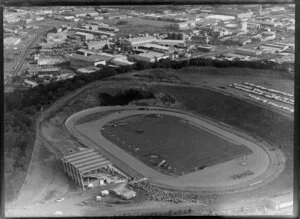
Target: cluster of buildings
[{"x": 88, "y": 43}]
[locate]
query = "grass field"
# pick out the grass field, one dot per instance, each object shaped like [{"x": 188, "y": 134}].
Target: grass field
[
  {"x": 139, "y": 25},
  {"x": 183, "y": 145}
]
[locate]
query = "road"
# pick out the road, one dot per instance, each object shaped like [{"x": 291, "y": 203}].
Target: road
[{"x": 18, "y": 67}]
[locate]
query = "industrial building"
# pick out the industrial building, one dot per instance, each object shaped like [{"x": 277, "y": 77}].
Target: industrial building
[
  {"x": 176, "y": 36},
  {"x": 49, "y": 60},
  {"x": 205, "y": 48},
  {"x": 268, "y": 36},
  {"x": 80, "y": 61},
  {"x": 185, "y": 25},
  {"x": 155, "y": 47},
  {"x": 94, "y": 45},
  {"x": 85, "y": 166},
  {"x": 121, "y": 62},
  {"x": 114, "y": 16},
  {"x": 85, "y": 52},
  {"x": 248, "y": 52},
  {"x": 85, "y": 36},
  {"x": 88, "y": 70},
  {"x": 166, "y": 42},
  {"x": 274, "y": 47},
  {"x": 150, "y": 56},
  {"x": 94, "y": 32},
  {"x": 138, "y": 41}
]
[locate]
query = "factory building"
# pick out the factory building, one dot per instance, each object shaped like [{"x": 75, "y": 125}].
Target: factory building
[
  {"x": 185, "y": 25},
  {"x": 155, "y": 47},
  {"x": 268, "y": 35},
  {"x": 274, "y": 47},
  {"x": 85, "y": 52},
  {"x": 176, "y": 36},
  {"x": 248, "y": 52},
  {"x": 150, "y": 56},
  {"x": 84, "y": 167},
  {"x": 95, "y": 45},
  {"x": 97, "y": 18},
  {"x": 85, "y": 36},
  {"x": 88, "y": 70},
  {"x": 135, "y": 42},
  {"x": 205, "y": 48},
  {"x": 49, "y": 60},
  {"x": 114, "y": 16},
  {"x": 166, "y": 42},
  {"x": 80, "y": 61},
  {"x": 11, "y": 41},
  {"x": 253, "y": 26},
  {"x": 94, "y": 32},
  {"x": 85, "y": 13},
  {"x": 121, "y": 62}
]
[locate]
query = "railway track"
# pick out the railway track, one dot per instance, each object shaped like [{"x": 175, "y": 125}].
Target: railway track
[{"x": 8, "y": 82}]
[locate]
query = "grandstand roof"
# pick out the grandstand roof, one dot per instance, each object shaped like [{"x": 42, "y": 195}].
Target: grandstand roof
[{"x": 86, "y": 160}]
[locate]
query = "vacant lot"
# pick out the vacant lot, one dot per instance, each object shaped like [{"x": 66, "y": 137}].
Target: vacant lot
[
  {"x": 139, "y": 25},
  {"x": 183, "y": 145}
]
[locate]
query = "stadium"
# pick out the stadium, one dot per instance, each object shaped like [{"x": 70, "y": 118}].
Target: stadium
[{"x": 174, "y": 149}]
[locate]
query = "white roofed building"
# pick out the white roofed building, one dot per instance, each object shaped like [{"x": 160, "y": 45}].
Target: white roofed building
[
  {"x": 85, "y": 36},
  {"x": 121, "y": 62},
  {"x": 137, "y": 41},
  {"x": 150, "y": 56}
]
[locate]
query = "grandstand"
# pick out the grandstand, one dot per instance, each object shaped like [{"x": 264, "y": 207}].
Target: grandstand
[{"x": 86, "y": 166}]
